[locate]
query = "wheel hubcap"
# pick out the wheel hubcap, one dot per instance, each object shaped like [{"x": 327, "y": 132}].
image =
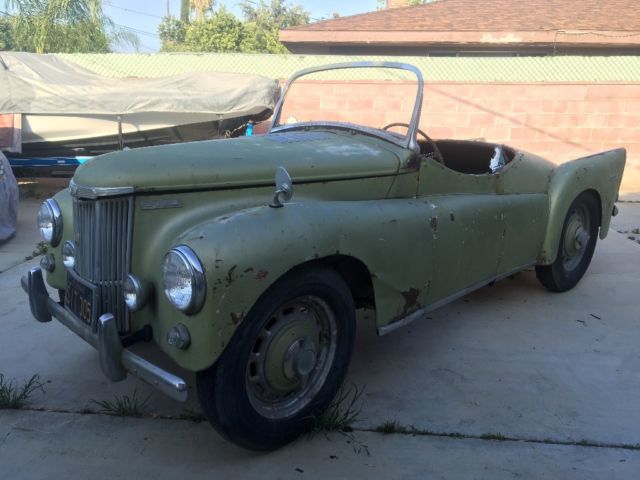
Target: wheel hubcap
[
  {"x": 576, "y": 238},
  {"x": 291, "y": 357}
]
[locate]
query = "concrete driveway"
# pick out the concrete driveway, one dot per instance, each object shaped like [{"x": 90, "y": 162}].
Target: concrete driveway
[{"x": 510, "y": 382}]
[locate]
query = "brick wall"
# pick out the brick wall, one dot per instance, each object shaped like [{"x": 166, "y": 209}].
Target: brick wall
[{"x": 557, "y": 121}]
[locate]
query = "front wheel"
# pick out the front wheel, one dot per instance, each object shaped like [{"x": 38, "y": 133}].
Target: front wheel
[
  {"x": 285, "y": 362},
  {"x": 577, "y": 243}
]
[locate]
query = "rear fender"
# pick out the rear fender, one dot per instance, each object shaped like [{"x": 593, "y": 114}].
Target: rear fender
[{"x": 600, "y": 173}]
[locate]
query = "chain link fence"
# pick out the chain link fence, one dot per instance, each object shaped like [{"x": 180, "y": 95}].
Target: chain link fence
[{"x": 562, "y": 69}]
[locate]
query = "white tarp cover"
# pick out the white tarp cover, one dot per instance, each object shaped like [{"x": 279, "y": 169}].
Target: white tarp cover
[
  {"x": 46, "y": 84},
  {"x": 8, "y": 200}
]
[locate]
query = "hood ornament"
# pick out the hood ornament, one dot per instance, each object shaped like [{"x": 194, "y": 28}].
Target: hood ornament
[{"x": 284, "y": 188}]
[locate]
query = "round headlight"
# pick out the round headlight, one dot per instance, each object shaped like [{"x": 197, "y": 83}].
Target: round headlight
[
  {"x": 183, "y": 279},
  {"x": 69, "y": 254},
  {"x": 137, "y": 292},
  {"x": 50, "y": 222}
]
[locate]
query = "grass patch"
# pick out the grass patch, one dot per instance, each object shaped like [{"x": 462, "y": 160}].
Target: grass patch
[
  {"x": 192, "y": 416},
  {"x": 391, "y": 426},
  {"x": 40, "y": 249},
  {"x": 123, "y": 406},
  {"x": 341, "y": 413},
  {"x": 13, "y": 396},
  {"x": 494, "y": 436}
]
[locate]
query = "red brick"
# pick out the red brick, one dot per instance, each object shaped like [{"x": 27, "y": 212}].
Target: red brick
[
  {"x": 557, "y": 92},
  {"x": 606, "y": 92},
  {"x": 611, "y": 106},
  {"x": 481, "y": 120},
  {"x": 333, "y": 104},
  {"x": 605, "y": 134},
  {"x": 360, "y": 103},
  {"x": 585, "y": 106},
  {"x": 496, "y": 134},
  {"x": 385, "y": 104},
  {"x": 524, "y": 133},
  {"x": 629, "y": 135},
  {"x": 442, "y": 106},
  {"x": 510, "y": 119},
  {"x": 486, "y": 90},
  {"x": 632, "y": 106},
  {"x": 627, "y": 121},
  {"x": 573, "y": 134},
  {"x": 440, "y": 132},
  {"x": 542, "y": 120},
  {"x": 554, "y": 106},
  {"x": 466, "y": 133},
  {"x": 526, "y": 106}
]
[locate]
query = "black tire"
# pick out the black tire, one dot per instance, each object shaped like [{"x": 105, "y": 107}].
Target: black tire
[
  {"x": 582, "y": 220},
  {"x": 236, "y": 393}
]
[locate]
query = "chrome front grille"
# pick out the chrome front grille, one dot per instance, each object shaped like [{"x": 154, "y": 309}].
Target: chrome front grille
[{"x": 103, "y": 229}]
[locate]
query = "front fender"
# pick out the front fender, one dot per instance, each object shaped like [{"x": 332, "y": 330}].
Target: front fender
[
  {"x": 601, "y": 173},
  {"x": 246, "y": 252}
]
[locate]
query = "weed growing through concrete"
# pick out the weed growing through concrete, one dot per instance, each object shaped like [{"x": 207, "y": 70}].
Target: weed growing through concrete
[
  {"x": 192, "y": 415},
  {"x": 391, "y": 426},
  {"x": 341, "y": 413},
  {"x": 14, "y": 396},
  {"x": 41, "y": 249},
  {"x": 123, "y": 406}
]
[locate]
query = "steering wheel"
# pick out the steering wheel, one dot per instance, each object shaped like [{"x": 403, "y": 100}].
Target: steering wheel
[{"x": 437, "y": 154}]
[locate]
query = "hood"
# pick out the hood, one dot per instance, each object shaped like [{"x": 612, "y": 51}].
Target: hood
[{"x": 309, "y": 156}]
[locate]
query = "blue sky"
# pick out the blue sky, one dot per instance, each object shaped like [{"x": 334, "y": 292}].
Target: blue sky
[{"x": 143, "y": 16}]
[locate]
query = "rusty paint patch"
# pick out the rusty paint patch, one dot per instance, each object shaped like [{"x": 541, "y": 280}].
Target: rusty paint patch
[
  {"x": 414, "y": 162},
  {"x": 230, "y": 275},
  {"x": 411, "y": 303},
  {"x": 236, "y": 318},
  {"x": 261, "y": 275}
]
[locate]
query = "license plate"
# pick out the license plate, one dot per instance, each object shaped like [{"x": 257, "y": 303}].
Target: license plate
[{"x": 81, "y": 299}]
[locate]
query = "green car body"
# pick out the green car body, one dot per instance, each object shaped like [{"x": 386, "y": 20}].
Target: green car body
[
  {"x": 422, "y": 232},
  {"x": 406, "y": 232}
]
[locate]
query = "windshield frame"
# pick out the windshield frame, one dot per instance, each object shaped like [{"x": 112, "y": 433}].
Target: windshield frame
[{"x": 409, "y": 141}]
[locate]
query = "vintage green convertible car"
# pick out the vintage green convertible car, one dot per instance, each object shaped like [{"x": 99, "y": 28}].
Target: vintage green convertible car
[{"x": 255, "y": 288}]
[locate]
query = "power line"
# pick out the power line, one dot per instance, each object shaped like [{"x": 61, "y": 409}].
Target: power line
[{"x": 133, "y": 11}]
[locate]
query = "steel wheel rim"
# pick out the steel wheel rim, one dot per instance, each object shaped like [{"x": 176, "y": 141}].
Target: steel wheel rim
[
  {"x": 282, "y": 376},
  {"x": 577, "y": 237}
]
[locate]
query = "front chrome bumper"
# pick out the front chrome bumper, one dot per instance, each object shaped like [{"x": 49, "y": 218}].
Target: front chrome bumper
[{"x": 115, "y": 360}]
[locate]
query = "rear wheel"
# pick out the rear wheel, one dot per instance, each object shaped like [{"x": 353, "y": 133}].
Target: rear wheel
[
  {"x": 577, "y": 243},
  {"x": 285, "y": 362}
]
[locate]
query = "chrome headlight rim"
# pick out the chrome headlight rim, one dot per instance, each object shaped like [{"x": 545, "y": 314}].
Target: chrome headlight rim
[
  {"x": 56, "y": 215},
  {"x": 136, "y": 292},
  {"x": 199, "y": 284}
]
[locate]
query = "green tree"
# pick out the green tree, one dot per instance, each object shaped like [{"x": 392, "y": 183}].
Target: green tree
[
  {"x": 219, "y": 32},
  {"x": 44, "y": 26},
  {"x": 6, "y": 36},
  {"x": 263, "y": 24},
  {"x": 172, "y": 33}
]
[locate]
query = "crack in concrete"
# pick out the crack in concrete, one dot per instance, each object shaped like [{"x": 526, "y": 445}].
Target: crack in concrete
[{"x": 495, "y": 437}]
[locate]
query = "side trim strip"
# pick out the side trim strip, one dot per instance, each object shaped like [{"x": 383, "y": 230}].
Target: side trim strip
[{"x": 385, "y": 329}]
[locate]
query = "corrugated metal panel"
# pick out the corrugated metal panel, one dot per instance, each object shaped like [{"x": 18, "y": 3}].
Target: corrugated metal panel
[{"x": 435, "y": 69}]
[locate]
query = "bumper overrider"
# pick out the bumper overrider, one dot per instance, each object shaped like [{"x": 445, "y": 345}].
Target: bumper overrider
[{"x": 115, "y": 360}]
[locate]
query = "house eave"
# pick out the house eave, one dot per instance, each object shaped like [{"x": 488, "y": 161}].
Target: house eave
[{"x": 476, "y": 38}]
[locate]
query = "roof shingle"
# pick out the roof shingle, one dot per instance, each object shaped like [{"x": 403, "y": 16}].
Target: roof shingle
[{"x": 494, "y": 16}]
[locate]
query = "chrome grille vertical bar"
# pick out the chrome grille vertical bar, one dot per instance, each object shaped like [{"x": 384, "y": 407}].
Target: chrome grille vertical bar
[{"x": 103, "y": 229}]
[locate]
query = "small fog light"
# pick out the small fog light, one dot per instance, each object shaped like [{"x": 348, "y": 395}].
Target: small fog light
[
  {"x": 48, "y": 263},
  {"x": 69, "y": 254},
  {"x": 136, "y": 292},
  {"x": 179, "y": 337}
]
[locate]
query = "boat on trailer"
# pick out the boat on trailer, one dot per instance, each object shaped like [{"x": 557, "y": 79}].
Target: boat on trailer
[{"x": 65, "y": 113}]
